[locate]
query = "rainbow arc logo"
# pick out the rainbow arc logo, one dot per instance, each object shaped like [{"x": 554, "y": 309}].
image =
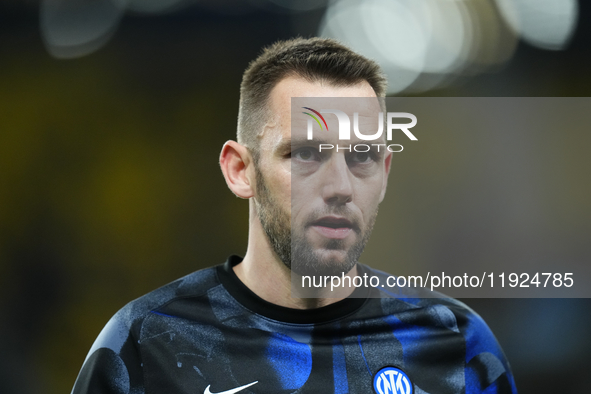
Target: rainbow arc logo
[{"x": 315, "y": 118}]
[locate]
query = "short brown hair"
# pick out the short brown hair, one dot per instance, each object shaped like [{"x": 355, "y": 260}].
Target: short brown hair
[{"x": 313, "y": 59}]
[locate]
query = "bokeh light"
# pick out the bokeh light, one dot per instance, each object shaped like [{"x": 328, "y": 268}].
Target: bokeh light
[
  {"x": 546, "y": 24},
  {"x": 422, "y": 45},
  {"x": 74, "y": 28}
]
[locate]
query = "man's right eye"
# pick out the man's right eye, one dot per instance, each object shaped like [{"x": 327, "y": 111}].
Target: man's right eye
[{"x": 305, "y": 154}]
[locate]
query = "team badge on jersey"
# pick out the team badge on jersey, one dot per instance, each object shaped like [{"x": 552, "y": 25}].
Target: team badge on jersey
[{"x": 391, "y": 380}]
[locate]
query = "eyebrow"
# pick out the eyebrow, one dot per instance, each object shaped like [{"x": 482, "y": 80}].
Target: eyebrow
[{"x": 288, "y": 144}]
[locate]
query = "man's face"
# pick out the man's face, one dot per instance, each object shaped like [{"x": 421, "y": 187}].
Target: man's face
[{"x": 318, "y": 208}]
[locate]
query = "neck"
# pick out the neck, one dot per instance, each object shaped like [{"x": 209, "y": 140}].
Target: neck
[{"x": 270, "y": 279}]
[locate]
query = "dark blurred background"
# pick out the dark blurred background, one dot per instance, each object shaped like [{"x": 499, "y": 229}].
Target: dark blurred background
[{"x": 112, "y": 114}]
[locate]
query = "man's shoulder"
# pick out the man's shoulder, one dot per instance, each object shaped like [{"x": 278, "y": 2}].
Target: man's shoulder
[
  {"x": 432, "y": 324},
  {"x": 396, "y": 299},
  {"x": 192, "y": 285},
  {"x": 127, "y": 322},
  {"x": 422, "y": 307}
]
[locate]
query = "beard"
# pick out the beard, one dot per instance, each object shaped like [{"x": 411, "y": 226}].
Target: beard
[{"x": 291, "y": 245}]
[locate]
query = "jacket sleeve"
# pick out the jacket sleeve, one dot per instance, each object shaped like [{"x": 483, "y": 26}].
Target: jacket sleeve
[
  {"x": 487, "y": 369},
  {"x": 113, "y": 364}
]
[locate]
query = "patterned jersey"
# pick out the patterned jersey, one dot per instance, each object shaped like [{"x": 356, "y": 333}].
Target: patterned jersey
[{"x": 207, "y": 333}]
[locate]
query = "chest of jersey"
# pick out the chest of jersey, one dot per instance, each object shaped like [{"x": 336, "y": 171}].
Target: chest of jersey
[{"x": 217, "y": 351}]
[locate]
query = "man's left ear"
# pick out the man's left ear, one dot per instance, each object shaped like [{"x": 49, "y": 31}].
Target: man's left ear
[{"x": 387, "y": 164}]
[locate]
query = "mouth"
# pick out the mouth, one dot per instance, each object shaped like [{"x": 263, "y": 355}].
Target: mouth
[{"x": 333, "y": 227}]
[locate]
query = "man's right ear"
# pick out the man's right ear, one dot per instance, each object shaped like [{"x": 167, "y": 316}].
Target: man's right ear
[{"x": 236, "y": 163}]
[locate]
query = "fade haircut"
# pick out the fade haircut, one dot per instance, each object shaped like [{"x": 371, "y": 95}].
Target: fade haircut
[{"x": 313, "y": 59}]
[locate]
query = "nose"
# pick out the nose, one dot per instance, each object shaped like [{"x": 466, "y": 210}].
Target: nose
[{"x": 337, "y": 188}]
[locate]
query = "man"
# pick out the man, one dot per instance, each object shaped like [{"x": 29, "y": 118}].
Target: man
[{"x": 244, "y": 326}]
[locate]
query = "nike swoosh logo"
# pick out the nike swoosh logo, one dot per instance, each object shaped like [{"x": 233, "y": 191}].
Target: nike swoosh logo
[{"x": 237, "y": 389}]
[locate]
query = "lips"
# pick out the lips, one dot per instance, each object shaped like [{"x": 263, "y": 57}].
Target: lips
[
  {"x": 333, "y": 222},
  {"x": 333, "y": 227}
]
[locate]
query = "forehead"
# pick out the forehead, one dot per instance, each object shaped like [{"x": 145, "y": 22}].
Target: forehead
[
  {"x": 282, "y": 93},
  {"x": 298, "y": 87}
]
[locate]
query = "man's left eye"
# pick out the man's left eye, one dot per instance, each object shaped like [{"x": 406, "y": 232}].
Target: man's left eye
[{"x": 361, "y": 157}]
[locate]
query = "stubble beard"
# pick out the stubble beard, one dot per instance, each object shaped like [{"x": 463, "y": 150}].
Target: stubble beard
[{"x": 291, "y": 245}]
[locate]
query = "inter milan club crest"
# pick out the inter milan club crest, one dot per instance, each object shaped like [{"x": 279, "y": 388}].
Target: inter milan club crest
[{"x": 392, "y": 380}]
